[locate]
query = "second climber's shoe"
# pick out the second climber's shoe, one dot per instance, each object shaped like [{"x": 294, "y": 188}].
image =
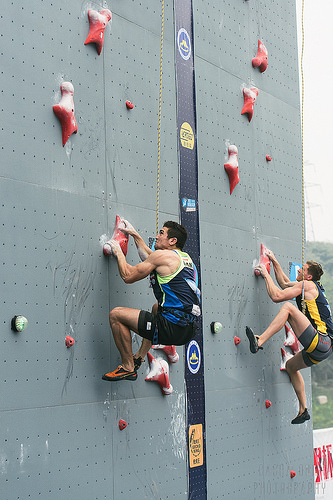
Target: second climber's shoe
[
  {"x": 253, "y": 340},
  {"x": 137, "y": 363},
  {"x": 300, "y": 419},
  {"x": 120, "y": 374}
]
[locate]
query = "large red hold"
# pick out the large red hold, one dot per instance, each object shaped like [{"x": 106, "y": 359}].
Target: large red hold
[
  {"x": 159, "y": 372},
  {"x": 263, "y": 259},
  {"x": 231, "y": 167},
  {"x": 118, "y": 235},
  {"x": 250, "y": 96},
  {"x": 260, "y": 61},
  {"x": 169, "y": 350},
  {"x": 285, "y": 356},
  {"x": 291, "y": 340},
  {"x": 65, "y": 111},
  {"x": 97, "y": 25}
]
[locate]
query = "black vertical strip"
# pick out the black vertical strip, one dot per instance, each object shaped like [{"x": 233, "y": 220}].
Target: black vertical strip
[{"x": 188, "y": 197}]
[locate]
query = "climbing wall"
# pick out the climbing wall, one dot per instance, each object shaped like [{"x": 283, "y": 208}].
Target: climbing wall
[
  {"x": 60, "y": 435},
  {"x": 251, "y": 448}
]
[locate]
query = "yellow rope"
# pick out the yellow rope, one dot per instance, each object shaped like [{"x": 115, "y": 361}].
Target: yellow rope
[
  {"x": 159, "y": 123},
  {"x": 302, "y": 132}
]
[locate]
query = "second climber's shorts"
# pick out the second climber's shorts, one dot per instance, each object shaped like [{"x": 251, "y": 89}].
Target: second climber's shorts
[
  {"x": 317, "y": 346},
  {"x": 159, "y": 330}
]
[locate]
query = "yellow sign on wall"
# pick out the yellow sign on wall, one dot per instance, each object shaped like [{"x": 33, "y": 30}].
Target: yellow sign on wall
[
  {"x": 195, "y": 443},
  {"x": 187, "y": 136}
]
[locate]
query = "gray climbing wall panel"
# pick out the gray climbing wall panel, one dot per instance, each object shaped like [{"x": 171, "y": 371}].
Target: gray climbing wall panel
[
  {"x": 249, "y": 447},
  {"x": 59, "y": 421}
]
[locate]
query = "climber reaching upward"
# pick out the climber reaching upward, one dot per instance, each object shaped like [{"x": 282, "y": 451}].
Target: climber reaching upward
[
  {"x": 313, "y": 328},
  {"x": 172, "y": 320}
]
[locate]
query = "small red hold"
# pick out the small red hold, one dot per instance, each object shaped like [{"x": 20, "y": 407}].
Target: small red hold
[
  {"x": 237, "y": 340},
  {"x": 119, "y": 235},
  {"x": 268, "y": 158},
  {"x": 268, "y": 403},
  {"x": 69, "y": 341},
  {"x": 65, "y": 111},
  {"x": 292, "y": 474},
  {"x": 231, "y": 167},
  {"x": 250, "y": 96},
  {"x": 122, "y": 424},
  {"x": 260, "y": 61},
  {"x": 97, "y": 25},
  {"x": 129, "y": 105}
]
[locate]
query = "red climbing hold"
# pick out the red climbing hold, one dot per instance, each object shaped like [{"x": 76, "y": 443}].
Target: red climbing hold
[
  {"x": 129, "y": 105},
  {"x": 107, "y": 250},
  {"x": 291, "y": 340},
  {"x": 69, "y": 341},
  {"x": 260, "y": 61},
  {"x": 250, "y": 96},
  {"x": 122, "y": 424},
  {"x": 119, "y": 235},
  {"x": 237, "y": 340},
  {"x": 231, "y": 167},
  {"x": 97, "y": 25},
  {"x": 263, "y": 259},
  {"x": 159, "y": 372},
  {"x": 285, "y": 357},
  {"x": 268, "y": 158},
  {"x": 65, "y": 111},
  {"x": 170, "y": 351},
  {"x": 268, "y": 403},
  {"x": 292, "y": 474}
]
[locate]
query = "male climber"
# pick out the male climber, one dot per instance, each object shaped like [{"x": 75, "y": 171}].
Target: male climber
[
  {"x": 172, "y": 320},
  {"x": 313, "y": 328}
]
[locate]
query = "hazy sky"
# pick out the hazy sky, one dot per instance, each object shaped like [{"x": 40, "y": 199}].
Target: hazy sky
[{"x": 318, "y": 117}]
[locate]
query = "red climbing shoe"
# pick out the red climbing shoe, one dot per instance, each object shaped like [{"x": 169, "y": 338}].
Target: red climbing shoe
[{"x": 120, "y": 374}]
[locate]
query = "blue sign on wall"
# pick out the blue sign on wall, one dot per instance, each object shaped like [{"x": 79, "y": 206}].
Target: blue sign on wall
[{"x": 188, "y": 199}]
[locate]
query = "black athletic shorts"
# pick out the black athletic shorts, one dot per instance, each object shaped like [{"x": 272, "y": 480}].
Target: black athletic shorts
[
  {"x": 167, "y": 333},
  {"x": 317, "y": 346}
]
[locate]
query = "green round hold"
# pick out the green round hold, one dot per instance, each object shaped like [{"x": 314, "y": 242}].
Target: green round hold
[
  {"x": 19, "y": 323},
  {"x": 216, "y": 327}
]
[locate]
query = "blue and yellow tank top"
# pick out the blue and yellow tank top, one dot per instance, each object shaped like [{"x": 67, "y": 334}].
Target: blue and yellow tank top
[
  {"x": 318, "y": 311},
  {"x": 177, "y": 294}
]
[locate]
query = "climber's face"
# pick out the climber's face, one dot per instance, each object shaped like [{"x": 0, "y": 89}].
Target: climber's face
[
  {"x": 303, "y": 272},
  {"x": 163, "y": 242}
]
